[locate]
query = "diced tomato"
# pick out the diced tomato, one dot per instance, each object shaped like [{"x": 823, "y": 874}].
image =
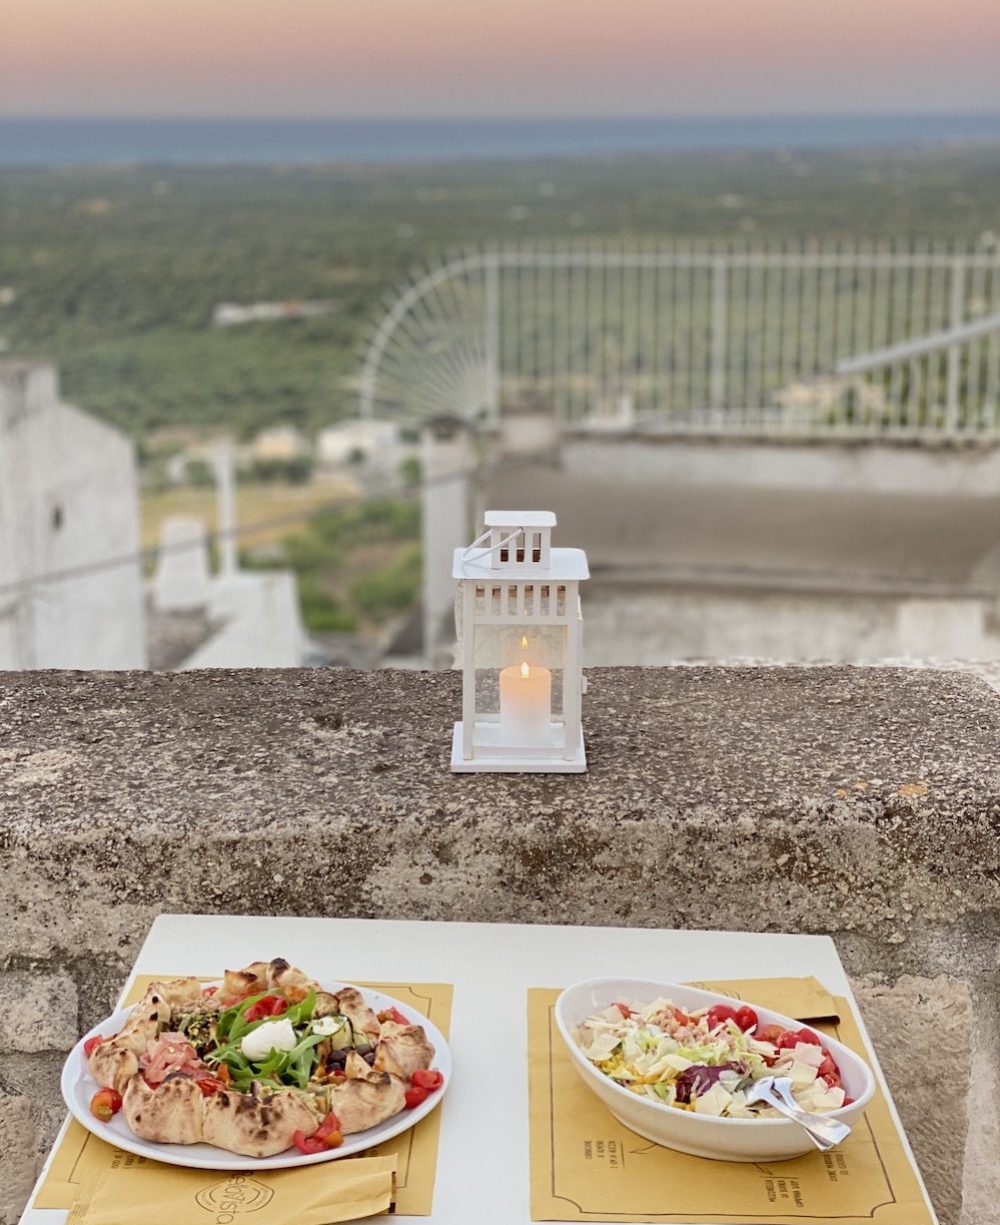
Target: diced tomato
[
  {"x": 223, "y": 1073},
  {"x": 92, "y": 1044},
  {"x": 308, "y": 1144},
  {"x": 787, "y": 1040},
  {"x": 393, "y": 1014},
  {"x": 414, "y": 1096},
  {"x": 828, "y": 1068},
  {"x": 848, "y": 1101},
  {"x": 427, "y": 1078},
  {"x": 746, "y": 1018},
  {"x": 105, "y": 1104},
  {"x": 681, "y": 1017},
  {"x": 209, "y": 990},
  {"x": 719, "y": 1013},
  {"x": 768, "y": 1033},
  {"x": 268, "y": 1006},
  {"x": 209, "y": 1085},
  {"x": 807, "y": 1035},
  {"x": 624, "y": 1010},
  {"x": 329, "y": 1132}
]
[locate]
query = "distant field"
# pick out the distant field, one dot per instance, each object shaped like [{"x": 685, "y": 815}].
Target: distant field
[
  {"x": 114, "y": 272},
  {"x": 254, "y": 504}
]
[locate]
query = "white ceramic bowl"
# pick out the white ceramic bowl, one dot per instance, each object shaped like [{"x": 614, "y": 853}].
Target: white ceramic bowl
[{"x": 699, "y": 1134}]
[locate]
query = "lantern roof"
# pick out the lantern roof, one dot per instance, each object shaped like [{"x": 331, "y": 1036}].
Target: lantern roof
[
  {"x": 516, "y": 547},
  {"x": 565, "y": 566},
  {"x": 520, "y": 518}
]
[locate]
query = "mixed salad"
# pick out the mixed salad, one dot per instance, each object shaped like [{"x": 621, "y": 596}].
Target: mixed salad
[{"x": 706, "y": 1060}]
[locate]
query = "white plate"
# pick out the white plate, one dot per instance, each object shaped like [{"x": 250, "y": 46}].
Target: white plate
[
  {"x": 701, "y": 1135},
  {"x": 79, "y": 1087}
]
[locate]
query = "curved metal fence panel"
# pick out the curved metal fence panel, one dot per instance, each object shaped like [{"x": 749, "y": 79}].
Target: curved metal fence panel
[{"x": 807, "y": 338}]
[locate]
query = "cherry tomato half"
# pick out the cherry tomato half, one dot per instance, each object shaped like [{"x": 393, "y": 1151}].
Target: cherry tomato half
[
  {"x": 746, "y": 1018},
  {"x": 720, "y": 1013},
  {"x": 329, "y": 1132},
  {"x": 269, "y": 1006},
  {"x": 427, "y": 1078},
  {"x": 769, "y": 1033},
  {"x": 414, "y": 1096},
  {"x": 105, "y": 1104},
  {"x": 393, "y": 1014},
  {"x": 92, "y": 1044},
  {"x": 308, "y": 1144},
  {"x": 209, "y": 1085},
  {"x": 807, "y": 1035},
  {"x": 624, "y": 1010}
]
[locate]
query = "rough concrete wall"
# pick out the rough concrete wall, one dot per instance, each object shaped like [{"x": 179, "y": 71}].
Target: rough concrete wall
[
  {"x": 864, "y": 803},
  {"x": 859, "y": 466},
  {"x": 691, "y": 621}
]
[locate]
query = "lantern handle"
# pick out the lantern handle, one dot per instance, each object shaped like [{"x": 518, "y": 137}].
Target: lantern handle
[{"x": 486, "y": 552}]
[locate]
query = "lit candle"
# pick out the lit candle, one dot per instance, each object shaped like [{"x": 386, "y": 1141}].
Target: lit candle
[{"x": 525, "y": 704}]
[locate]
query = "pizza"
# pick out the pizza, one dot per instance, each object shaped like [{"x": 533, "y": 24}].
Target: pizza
[{"x": 267, "y": 1060}]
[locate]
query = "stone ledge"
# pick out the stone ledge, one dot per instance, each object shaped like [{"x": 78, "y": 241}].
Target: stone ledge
[{"x": 860, "y": 799}]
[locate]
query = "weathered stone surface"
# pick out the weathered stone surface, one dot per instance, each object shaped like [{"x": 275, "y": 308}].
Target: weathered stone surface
[
  {"x": 862, "y": 799},
  {"x": 905, "y": 1021},
  {"x": 860, "y": 802},
  {"x": 38, "y": 1012},
  {"x": 31, "y": 1112}
]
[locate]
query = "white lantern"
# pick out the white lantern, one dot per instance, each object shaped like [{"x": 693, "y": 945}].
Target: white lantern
[{"x": 521, "y": 634}]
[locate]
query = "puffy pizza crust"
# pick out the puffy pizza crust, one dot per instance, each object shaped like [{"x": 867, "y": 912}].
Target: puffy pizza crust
[{"x": 251, "y": 1125}]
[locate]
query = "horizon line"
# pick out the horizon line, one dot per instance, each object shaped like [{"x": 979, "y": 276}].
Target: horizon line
[{"x": 409, "y": 118}]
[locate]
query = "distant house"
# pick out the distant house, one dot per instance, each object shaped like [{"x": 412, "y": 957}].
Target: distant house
[
  {"x": 358, "y": 441},
  {"x": 278, "y": 442},
  {"x": 231, "y": 314},
  {"x": 69, "y": 515}
]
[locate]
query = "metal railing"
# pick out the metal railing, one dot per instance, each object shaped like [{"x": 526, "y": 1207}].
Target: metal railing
[{"x": 807, "y": 338}]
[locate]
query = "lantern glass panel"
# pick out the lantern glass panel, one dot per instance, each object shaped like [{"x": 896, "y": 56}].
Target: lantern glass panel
[{"x": 511, "y": 644}]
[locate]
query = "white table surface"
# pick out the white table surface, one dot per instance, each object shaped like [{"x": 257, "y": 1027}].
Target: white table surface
[{"x": 484, "y": 1126}]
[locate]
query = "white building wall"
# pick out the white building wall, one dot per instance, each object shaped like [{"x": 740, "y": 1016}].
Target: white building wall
[
  {"x": 67, "y": 499},
  {"x": 261, "y": 623}
]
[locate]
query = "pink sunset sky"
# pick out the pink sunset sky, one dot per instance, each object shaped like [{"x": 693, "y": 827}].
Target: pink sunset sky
[{"x": 499, "y": 57}]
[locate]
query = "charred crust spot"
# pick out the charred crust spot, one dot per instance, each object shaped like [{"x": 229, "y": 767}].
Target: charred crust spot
[
  {"x": 155, "y": 999},
  {"x": 154, "y": 1016},
  {"x": 222, "y": 1097},
  {"x": 279, "y": 965},
  {"x": 262, "y": 1134},
  {"x": 265, "y": 1115}
]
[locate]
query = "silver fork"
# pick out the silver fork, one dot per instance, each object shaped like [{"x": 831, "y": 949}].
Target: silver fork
[{"x": 777, "y": 1092}]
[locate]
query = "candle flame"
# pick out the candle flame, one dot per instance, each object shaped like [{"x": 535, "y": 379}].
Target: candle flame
[
  {"x": 525, "y": 670},
  {"x": 524, "y": 640}
]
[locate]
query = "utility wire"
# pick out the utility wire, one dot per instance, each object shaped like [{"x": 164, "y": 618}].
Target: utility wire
[{"x": 141, "y": 556}]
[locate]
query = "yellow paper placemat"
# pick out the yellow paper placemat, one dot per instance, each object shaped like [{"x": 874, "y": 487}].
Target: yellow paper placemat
[
  {"x": 585, "y": 1166},
  {"x": 81, "y": 1156},
  {"x": 323, "y": 1194}
]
